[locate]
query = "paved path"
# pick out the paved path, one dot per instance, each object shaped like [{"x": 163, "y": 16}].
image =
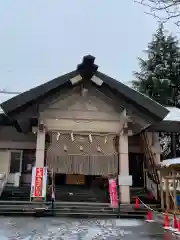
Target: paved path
[{"x": 66, "y": 229}]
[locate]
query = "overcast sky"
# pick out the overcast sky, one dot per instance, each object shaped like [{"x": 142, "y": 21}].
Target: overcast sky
[{"x": 42, "y": 39}]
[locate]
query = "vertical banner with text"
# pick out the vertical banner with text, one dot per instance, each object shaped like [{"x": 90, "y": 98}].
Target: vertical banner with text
[
  {"x": 113, "y": 193},
  {"x": 38, "y": 183}
]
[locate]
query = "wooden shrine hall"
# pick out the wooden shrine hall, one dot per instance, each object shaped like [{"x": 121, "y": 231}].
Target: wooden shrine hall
[{"x": 84, "y": 126}]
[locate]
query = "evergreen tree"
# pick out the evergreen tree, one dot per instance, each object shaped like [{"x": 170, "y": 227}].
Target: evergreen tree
[
  {"x": 161, "y": 69},
  {"x": 159, "y": 76}
]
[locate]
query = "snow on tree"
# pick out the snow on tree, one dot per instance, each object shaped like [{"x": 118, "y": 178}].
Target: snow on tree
[{"x": 159, "y": 75}]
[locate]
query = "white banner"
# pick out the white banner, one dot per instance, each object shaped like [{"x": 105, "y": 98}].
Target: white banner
[{"x": 33, "y": 181}]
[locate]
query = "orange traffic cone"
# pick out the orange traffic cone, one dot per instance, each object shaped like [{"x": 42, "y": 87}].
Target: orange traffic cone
[
  {"x": 137, "y": 202},
  {"x": 178, "y": 232},
  {"x": 175, "y": 222},
  {"x": 166, "y": 221},
  {"x": 179, "y": 225},
  {"x": 149, "y": 216}
]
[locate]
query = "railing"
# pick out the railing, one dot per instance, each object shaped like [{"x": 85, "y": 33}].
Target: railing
[
  {"x": 152, "y": 177},
  {"x": 3, "y": 181},
  {"x": 171, "y": 185}
]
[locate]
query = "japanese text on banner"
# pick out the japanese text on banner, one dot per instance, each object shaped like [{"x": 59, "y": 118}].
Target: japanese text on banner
[
  {"x": 113, "y": 193},
  {"x": 39, "y": 182}
]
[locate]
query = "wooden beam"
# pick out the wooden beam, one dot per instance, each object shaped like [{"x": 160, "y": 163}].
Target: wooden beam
[
  {"x": 171, "y": 177},
  {"x": 167, "y": 194},
  {"x": 162, "y": 192},
  {"x": 174, "y": 190}
]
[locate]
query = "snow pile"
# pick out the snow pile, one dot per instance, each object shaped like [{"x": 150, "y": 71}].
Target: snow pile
[{"x": 173, "y": 115}]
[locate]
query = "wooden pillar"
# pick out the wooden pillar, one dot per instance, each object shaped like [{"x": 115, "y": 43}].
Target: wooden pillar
[
  {"x": 124, "y": 168},
  {"x": 40, "y": 147},
  {"x": 174, "y": 189},
  {"x": 167, "y": 194}
]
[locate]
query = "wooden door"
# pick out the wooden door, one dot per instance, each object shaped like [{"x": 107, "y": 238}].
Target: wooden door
[
  {"x": 136, "y": 169},
  {"x": 74, "y": 179}
]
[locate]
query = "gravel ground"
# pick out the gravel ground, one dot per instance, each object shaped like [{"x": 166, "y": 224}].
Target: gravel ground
[{"x": 78, "y": 229}]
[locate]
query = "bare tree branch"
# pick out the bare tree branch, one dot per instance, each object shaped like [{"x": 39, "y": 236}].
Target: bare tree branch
[{"x": 163, "y": 10}]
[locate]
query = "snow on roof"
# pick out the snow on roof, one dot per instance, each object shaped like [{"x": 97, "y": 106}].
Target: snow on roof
[
  {"x": 169, "y": 162},
  {"x": 173, "y": 115}
]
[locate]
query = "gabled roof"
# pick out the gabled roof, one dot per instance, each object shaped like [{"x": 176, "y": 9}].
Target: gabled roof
[
  {"x": 87, "y": 70},
  {"x": 135, "y": 97},
  {"x": 5, "y": 96},
  {"x": 28, "y": 96}
]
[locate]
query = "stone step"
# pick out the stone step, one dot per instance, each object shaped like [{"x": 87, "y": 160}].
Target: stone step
[
  {"x": 76, "y": 204},
  {"x": 97, "y": 214},
  {"x": 71, "y": 209},
  {"x": 74, "y": 209},
  {"x": 72, "y": 215}
]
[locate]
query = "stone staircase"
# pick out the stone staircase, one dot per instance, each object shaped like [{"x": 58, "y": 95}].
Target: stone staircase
[
  {"x": 144, "y": 195},
  {"x": 70, "y": 209},
  {"x": 97, "y": 210},
  {"x": 12, "y": 193},
  {"x": 72, "y": 202},
  {"x": 80, "y": 194}
]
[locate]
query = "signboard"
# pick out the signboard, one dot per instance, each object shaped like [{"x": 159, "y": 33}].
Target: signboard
[
  {"x": 38, "y": 183},
  {"x": 125, "y": 180},
  {"x": 113, "y": 193}
]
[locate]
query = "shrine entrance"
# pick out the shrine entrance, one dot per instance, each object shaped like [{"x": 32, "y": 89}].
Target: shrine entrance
[
  {"x": 81, "y": 164},
  {"x": 79, "y": 179},
  {"x": 80, "y": 188}
]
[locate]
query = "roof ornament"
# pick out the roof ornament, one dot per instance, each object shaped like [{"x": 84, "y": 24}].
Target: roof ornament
[{"x": 87, "y": 68}]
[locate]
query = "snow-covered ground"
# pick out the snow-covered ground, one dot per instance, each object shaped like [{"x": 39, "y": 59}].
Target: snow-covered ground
[{"x": 78, "y": 229}]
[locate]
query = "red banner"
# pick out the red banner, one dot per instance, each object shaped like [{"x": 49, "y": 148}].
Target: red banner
[
  {"x": 39, "y": 182},
  {"x": 113, "y": 193}
]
